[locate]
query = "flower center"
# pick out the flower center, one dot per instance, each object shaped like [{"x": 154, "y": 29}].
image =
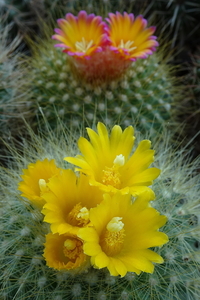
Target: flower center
[
  {"x": 112, "y": 238},
  {"x": 83, "y": 45},
  {"x": 72, "y": 248},
  {"x": 78, "y": 216},
  {"x": 111, "y": 176},
  {"x": 126, "y": 45}
]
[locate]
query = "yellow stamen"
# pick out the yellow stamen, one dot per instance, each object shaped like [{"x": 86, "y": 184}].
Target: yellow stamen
[
  {"x": 78, "y": 216},
  {"x": 113, "y": 237},
  {"x": 111, "y": 176},
  {"x": 127, "y": 45},
  {"x": 83, "y": 46},
  {"x": 43, "y": 185}
]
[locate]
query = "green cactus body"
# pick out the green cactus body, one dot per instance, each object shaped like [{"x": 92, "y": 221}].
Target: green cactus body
[
  {"x": 23, "y": 270},
  {"x": 145, "y": 93}
]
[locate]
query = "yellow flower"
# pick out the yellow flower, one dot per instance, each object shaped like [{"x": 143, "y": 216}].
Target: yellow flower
[
  {"x": 129, "y": 36},
  {"x": 121, "y": 234},
  {"x": 81, "y": 36},
  {"x": 65, "y": 252},
  {"x": 68, "y": 202},
  {"x": 35, "y": 179},
  {"x": 105, "y": 159}
]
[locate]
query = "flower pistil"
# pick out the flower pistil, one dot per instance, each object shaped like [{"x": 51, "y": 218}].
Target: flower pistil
[
  {"x": 127, "y": 45},
  {"x": 78, "y": 216},
  {"x": 84, "y": 45}
]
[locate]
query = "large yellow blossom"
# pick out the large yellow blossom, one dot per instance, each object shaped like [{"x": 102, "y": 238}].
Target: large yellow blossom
[
  {"x": 121, "y": 234},
  {"x": 35, "y": 178},
  {"x": 65, "y": 252},
  {"x": 68, "y": 202},
  {"x": 105, "y": 159}
]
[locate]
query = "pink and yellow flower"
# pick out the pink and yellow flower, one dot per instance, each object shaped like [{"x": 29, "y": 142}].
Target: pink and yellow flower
[
  {"x": 129, "y": 36},
  {"x": 68, "y": 202},
  {"x": 65, "y": 252},
  {"x": 35, "y": 179},
  {"x": 103, "y": 52},
  {"x": 81, "y": 36},
  {"x": 122, "y": 234},
  {"x": 107, "y": 161}
]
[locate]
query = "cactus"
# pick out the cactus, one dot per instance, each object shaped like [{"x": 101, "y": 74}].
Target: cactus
[
  {"x": 145, "y": 93},
  {"x": 143, "y": 97},
  {"x": 23, "y": 269}
]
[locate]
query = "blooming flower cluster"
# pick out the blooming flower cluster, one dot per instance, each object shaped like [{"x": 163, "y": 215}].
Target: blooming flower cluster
[
  {"x": 100, "y": 214},
  {"x": 102, "y": 51}
]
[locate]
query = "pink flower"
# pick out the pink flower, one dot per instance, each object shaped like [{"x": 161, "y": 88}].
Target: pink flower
[{"x": 129, "y": 36}]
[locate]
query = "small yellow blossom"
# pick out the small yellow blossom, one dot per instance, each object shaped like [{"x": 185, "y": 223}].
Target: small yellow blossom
[
  {"x": 65, "y": 252},
  {"x": 68, "y": 202},
  {"x": 35, "y": 179},
  {"x": 105, "y": 159},
  {"x": 122, "y": 234}
]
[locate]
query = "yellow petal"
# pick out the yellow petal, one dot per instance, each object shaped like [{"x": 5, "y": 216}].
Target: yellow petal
[
  {"x": 136, "y": 28},
  {"x": 143, "y": 36},
  {"x": 51, "y": 217},
  {"x": 120, "y": 267},
  {"x": 141, "y": 158},
  {"x": 153, "y": 256},
  {"x": 137, "y": 190},
  {"x": 129, "y": 266},
  {"x": 88, "y": 234},
  {"x": 49, "y": 206},
  {"x": 61, "y": 228},
  {"x": 122, "y": 142},
  {"x": 91, "y": 248},
  {"x": 140, "y": 262},
  {"x": 77, "y": 161},
  {"x": 145, "y": 45},
  {"x": 88, "y": 151},
  {"x": 101, "y": 260},
  {"x": 144, "y": 178},
  {"x": 147, "y": 240},
  {"x": 111, "y": 268}
]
